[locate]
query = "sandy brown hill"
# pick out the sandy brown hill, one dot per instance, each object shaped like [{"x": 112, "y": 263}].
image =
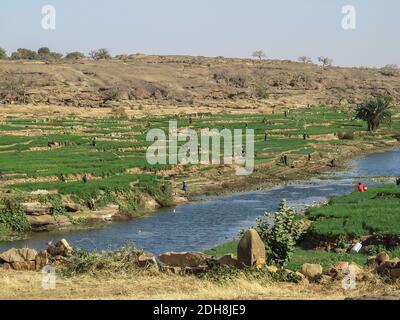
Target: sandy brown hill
[{"x": 190, "y": 81}]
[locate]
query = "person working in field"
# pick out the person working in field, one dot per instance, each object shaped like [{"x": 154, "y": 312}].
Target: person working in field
[
  {"x": 361, "y": 187},
  {"x": 85, "y": 179},
  {"x": 62, "y": 178},
  {"x": 184, "y": 186}
]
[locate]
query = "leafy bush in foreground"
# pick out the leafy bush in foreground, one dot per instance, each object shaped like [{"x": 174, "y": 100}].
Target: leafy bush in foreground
[{"x": 280, "y": 234}]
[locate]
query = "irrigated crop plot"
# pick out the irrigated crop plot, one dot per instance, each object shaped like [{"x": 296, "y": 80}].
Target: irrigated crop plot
[{"x": 35, "y": 153}]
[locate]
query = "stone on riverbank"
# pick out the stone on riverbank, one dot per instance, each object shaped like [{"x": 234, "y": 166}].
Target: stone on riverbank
[
  {"x": 185, "y": 259},
  {"x": 148, "y": 261},
  {"x": 228, "y": 260},
  {"x": 61, "y": 248},
  {"x": 251, "y": 250},
  {"x": 311, "y": 271},
  {"x": 19, "y": 259}
]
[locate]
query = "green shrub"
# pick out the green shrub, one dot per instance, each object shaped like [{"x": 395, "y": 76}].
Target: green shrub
[
  {"x": 262, "y": 93},
  {"x": 3, "y": 54},
  {"x": 13, "y": 216},
  {"x": 122, "y": 261},
  {"x": 75, "y": 56},
  {"x": 280, "y": 233}
]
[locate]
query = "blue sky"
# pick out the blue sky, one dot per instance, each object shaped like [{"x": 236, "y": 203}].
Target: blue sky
[{"x": 284, "y": 29}]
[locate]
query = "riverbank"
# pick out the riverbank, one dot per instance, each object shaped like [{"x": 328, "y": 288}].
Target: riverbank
[
  {"x": 369, "y": 218},
  {"x": 123, "y": 184},
  {"x": 304, "y": 170}
]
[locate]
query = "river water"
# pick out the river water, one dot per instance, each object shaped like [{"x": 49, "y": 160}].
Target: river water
[{"x": 201, "y": 225}]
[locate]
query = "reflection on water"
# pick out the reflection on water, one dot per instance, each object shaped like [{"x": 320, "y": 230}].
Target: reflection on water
[{"x": 201, "y": 225}]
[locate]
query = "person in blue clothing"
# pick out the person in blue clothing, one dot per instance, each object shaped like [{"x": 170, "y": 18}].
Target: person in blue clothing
[
  {"x": 62, "y": 178},
  {"x": 184, "y": 186},
  {"x": 85, "y": 179}
]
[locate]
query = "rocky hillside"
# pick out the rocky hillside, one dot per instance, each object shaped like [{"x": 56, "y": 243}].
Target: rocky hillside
[{"x": 189, "y": 81}]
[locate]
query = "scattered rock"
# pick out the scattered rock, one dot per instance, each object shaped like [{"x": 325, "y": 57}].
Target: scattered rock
[
  {"x": 324, "y": 279},
  {"x": 171, "y": 270},
  {"x": 311, "y": 271},
  {"x": 61, "y": 248},
  {"x": 395, "y": 274},
  {"x": 228, "y": 260},
  {"x": 272, "y": 269},
  {"x": 147, "y": 260},
  {"x": 371, "y": 262},
  {"x": 302, "y": 277},
  {"x": 251, "y": 250},
  {"x": 72, "y": 207},
  {"x": 60, "y": 261},
  {"x": 184, "y": 259},
  {"x": 382, "y": 257}
]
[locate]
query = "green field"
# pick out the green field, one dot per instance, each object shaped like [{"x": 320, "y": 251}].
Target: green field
[
  {"x": 35, "y": 152},
  {"x": 122, "y": 143},
  {"x": 359, "y": 214}
]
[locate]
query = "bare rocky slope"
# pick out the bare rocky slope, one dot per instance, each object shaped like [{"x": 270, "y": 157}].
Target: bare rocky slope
[{"x": 190, "y": 81}]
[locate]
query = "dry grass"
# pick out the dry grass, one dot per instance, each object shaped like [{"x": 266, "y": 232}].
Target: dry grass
[{"x": 27, "y": 285}]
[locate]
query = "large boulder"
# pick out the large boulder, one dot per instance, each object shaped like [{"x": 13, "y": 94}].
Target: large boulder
[
  {"x": 185, "y": 259},
  {"x": 385, "y": 268},
  {"x": 311, "y": 271},
  {"x": 18, "y": 255},
  {"x": 61, "y": 248},
  {"x": 19, "y": 259},
  {"x": 251, "y": 250}
]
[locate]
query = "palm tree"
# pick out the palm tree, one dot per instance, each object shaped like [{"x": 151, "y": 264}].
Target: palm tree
[{"x": 375, "y": 112}]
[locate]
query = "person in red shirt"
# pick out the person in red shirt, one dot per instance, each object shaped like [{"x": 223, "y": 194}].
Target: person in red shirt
[{"x": 361, "y": 187}]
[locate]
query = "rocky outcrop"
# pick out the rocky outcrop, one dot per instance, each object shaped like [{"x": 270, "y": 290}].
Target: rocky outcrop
[
  {"x": 29, "y": 259},
  {"x": 61, "y": 248},
  {"x": 37, "y": 209},
  {"x": 185, "y": 259},
  {"x": 48, "y": 222},
  {"x": 19, "y": 259},
  {"x": 251, "y": 250},
  {"x": 384, "y": 266}
]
